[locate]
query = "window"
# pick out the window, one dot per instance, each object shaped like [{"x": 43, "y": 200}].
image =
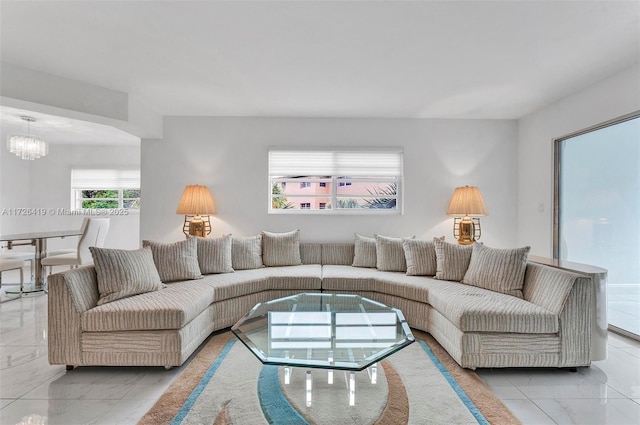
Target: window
[
  {"x": 105, "y": 189},
  {"x": 367, "y": 181},
  {"x": 597, "y": 207}
]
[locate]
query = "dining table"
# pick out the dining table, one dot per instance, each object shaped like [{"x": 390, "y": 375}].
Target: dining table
[{"x": 39, "y": 241}]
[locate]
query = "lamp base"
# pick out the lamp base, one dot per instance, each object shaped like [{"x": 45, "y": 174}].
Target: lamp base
[
  {"x": 196, "y": 226},
  {"x": 466, "y": 231}
]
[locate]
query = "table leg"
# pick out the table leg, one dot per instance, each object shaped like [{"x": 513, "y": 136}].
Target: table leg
[
  {"x": 40, "y": 245},
  {"x": 309, "y": 382},
  {"x": 41, "y": 252}
]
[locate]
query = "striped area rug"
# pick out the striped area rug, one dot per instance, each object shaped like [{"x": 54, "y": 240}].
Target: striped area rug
[{"x": 225, "y": 384}]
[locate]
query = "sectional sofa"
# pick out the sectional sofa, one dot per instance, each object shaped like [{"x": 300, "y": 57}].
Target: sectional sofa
[{"x": 545, "y": 323}]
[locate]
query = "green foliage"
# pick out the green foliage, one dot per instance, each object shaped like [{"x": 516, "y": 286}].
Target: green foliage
[
  {"x": 386, "y": 197},
  {"x": 131, "y": 193},
  {"x": 89, "y": 204},
  {"x": 348, "y": 204},
  {"x": 279, "y": 202},
  {"x": 100, "y": 194}
]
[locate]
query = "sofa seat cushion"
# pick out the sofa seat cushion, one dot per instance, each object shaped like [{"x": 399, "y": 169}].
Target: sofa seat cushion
[
  {"x": 346, "y": 278},
  {"x": 473, "y": 309},
  {"x": 169, "y": 308},
  {"x": 469, "y": 308},
  {"x": 306, "y": 277}
]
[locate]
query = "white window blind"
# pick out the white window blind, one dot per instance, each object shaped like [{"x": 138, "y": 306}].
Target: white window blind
[
  {"x": 105, "y": 179},
  {"x": 356, "y": 163}
]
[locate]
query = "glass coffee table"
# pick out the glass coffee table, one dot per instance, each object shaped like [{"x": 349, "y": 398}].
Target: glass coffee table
[{"x": 326, "y": 331}]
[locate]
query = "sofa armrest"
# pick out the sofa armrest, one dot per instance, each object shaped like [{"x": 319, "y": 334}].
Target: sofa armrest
[
  {"x": 70, "y": 294},
  {"x": 548, "y": 287},
  {"x": 569, "y": 295},
  {"x": 576, "y": 324}
]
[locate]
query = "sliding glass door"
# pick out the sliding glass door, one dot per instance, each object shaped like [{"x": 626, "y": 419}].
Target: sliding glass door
[{"x": 598, "y": 210}]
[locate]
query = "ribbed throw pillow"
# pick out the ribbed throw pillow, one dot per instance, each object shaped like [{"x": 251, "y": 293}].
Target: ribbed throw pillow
[
  {"x": 281, "y": 249},
  {"x": 364, "y": 254},
  {"x": 246, "y": 252},
  {"x": 122, "y": 273},
  {"x": 420, "y": 257},
  {"x": 452, "y": 261},
  {"x": 390, "y": 254},
  {"x": 498, "y": 270},
  {"x": 176, "y": 261},
  {"x": 214, "y": 254}
]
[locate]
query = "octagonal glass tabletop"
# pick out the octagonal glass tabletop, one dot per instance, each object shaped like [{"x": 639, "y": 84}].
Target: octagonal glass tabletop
[{"x": 329, "y": 331}]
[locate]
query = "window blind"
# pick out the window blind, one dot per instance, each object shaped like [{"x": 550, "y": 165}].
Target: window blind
[
  {"x": 105, "y": 179},
  {"x": 363, "y": 163}
]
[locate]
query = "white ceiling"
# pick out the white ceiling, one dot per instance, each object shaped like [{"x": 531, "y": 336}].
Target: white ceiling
[
  {"x": 437, "y": 59},
  {"x": 62, "y": 130}
]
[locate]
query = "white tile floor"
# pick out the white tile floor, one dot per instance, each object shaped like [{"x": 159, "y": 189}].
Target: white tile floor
[{"x": 606, "y": 393}]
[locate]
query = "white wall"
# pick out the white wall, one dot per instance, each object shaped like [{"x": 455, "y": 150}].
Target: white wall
[
  {"x": 611, "y": 98},
  {"x": 45, "y": 183},
  {"x": 230, "y": 156}
]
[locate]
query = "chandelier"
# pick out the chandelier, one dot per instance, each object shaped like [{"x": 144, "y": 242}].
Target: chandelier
[{"x": 27, "y": 147}]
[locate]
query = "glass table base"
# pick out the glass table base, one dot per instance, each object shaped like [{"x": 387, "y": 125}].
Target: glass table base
[{"x": 349, "y": 378}]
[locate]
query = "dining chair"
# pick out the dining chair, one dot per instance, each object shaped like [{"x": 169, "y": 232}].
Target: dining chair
[
  {"x": 21, "y": 255},
  {"x": 95, "y": 232},
  {"x": 6, "y": 265},
  {"x": 83, "y": 228}
]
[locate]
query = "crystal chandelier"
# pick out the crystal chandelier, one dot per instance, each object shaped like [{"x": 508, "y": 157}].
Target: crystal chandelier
[{"x": 27, "y": 147}]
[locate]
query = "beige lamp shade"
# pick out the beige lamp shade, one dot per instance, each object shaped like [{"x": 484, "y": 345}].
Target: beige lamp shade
[
  {"x": 196, "y": 200},
  {"x": 467, "y": 201}
]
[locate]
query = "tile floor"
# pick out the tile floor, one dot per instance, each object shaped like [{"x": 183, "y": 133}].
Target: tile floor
[{"x": 606, "y": 393}]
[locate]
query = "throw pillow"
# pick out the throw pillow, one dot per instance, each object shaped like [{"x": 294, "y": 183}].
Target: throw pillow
[
  {"x": 176, "y": 261},
  {"x": 420, "y": 257},
  {"x": 498, "y": 270},
  {"x": 246, "y": 253},
  {"x": 122, "y": 273},
  {"x": 452, "y": 260},
  {"x": 364, "y": 254},
  {"x": 281, "y": 249},
  {"x": 390, "y": 254},
  {"x": 214, "y": 255}
]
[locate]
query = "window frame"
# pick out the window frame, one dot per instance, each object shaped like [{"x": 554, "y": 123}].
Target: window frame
[
  {"x": 79, "y": 199},
  {"x": 334, "y": 182},
  {"x": 116, "y": 180}
]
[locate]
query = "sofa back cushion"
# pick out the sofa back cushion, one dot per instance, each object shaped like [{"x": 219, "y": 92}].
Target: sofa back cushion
[
  {"x": 122, "y": 273},
  {"x": 420, "y": 257},
  {"x": 311, "y": 253},
  {"x": 214, "y": 254},
  {"x": 176, "y": 261},
  {"x": 246, "y": 252},
  {"x": 390, "y": 254},
  {"x": 452, "y": 261},
  {"x": 364, "y": 254},
  {"x": 281, "y": 249},
  {"x": 339, "y": 254},
  {"x": 498, "y": 270}
]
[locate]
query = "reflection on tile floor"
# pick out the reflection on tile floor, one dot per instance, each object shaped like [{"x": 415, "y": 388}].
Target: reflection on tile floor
[{"x": 608, "y": 392}]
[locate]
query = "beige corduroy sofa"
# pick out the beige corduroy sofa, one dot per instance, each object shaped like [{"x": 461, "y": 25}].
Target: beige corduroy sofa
[{"x": 550, "y": 327}]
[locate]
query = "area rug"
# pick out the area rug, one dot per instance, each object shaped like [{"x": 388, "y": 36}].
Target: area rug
[{"x": 421, "y": 384}]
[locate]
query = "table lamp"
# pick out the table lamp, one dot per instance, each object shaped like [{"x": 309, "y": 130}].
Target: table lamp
[
  {"x": 465, "y": 203},
  {"x": 196, "y": 204}
]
